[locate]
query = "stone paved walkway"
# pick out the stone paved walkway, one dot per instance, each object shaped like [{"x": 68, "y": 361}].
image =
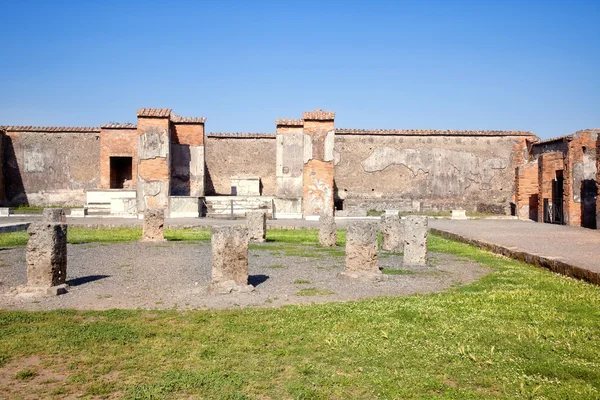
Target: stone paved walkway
[{"x": 568, "y": 250}]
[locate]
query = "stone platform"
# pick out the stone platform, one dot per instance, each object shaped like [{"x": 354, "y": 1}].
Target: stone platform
[{"x": 567, "y": 250}]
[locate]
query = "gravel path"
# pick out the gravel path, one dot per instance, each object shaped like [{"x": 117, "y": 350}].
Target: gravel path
[{"x": 175, "y": 275}]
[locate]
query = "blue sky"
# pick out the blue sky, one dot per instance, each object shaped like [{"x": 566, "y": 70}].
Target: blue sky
[{"x": 487, "y": 64}]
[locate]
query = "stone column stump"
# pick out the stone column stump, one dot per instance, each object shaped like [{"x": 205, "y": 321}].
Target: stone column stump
[
  {"x": 154, "y": 223},
  {"x": 54, "y": 215},
  {"x": 391, "y": 233},
  {"x": 46, "y": 259},
  {"x": 327, "y": 231},
  {"x": 229, "y": 260},
  {"x": 362, "y": 261},
  {"x": 257, "y": 225},
  {"x": 415, "y": 240}
]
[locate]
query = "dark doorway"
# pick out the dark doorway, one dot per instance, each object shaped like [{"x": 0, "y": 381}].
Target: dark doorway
[
  {"x": 533, "y": 207},
  {"x": 553, "y": 207},
  {"x": 589, "y": 192},
  {"x": 120, "y": 171}
]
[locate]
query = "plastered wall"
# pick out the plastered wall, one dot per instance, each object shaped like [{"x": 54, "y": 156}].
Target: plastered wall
[
  {"x": 441, "y": 170},
  {"x": 47, "y": 168},
  {"x": 239, "y": 155}
]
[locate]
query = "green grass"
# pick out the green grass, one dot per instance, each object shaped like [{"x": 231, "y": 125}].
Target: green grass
[
  {"x": 301, "y": 282},
  {"x": 26, "y": 375},
  {"x": 397, "y": 272},
  {"x": 277, "y": 266},
  {"x": 518, "y": 333},
  {"x": 313, "y": 292}
]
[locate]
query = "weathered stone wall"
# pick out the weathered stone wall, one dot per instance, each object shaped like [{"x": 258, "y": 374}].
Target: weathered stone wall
[
  {"x": 318, "y": 173},
  {"x": 440, "y": 170},
  {"x": 50, "y": 166},
  {"x": 289, "y": 158},
  {"x": 580, "y": 188},
  {"x": 230, "y": 155},
  {"x": 187, "y": 159},
  {"x": 154, "y": 160}
]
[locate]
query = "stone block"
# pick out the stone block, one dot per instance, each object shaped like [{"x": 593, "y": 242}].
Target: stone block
[
  {"x": 327, "y": 231},
  {"x": 56, "y": 215},
  {"x": 230, "y": 260},
  {"x": 154, "y": 223},
  {"x": 391, "y": 233},
  {"x": 458, "y": 214},
  {"x": 184, "y": 207},
  {"x": 245, "y": 185},
  {"x": 362, "y": 261},
  {"x": 78, "y": 212},
  {"x": 257, "y": 225},
  {"x": 123, "y": 206},
  {"x": 5, "y": 211},
  {"x": 46, "y": 254},
  {"x": 415, "y": 240}
]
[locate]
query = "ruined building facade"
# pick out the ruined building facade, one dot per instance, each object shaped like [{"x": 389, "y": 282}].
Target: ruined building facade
[{"x": 307, "y": 167}]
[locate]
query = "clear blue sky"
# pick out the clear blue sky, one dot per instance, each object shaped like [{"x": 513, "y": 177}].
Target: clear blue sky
[{"x": 486, "y": 64}]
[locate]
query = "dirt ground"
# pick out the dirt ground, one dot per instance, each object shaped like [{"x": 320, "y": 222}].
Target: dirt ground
[{"x": 174, "y": 275}]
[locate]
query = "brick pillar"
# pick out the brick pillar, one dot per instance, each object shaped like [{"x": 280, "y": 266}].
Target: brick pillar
[
  {"x": 317, "y": 180},
  {"x": 290, "y": 165},
  {"x": 154, "y": 163},
  {"x": 188, "y": 159}
]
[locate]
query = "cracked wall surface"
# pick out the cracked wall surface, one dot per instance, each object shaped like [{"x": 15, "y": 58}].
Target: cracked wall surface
[
  {"x": 154, "y": 164},
  {"x": 318, "y": 172},
  {"x": 43, "y": 168},
  {"x": 440, "y": 170}
]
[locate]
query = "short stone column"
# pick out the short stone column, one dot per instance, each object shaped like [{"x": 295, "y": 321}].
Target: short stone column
[
  {"x": 362, "y": 261},
  {"x": 55, "y": 215},
  {"x": 47, "y": 258},
  {"x": 257, "y": 225},
  {"x": 391, "y": 233},
  {"x": 415, "y": 240},
  {"x": 327, "y": 231},
  {"x": 154, "y": 224},
  {"x": 230, "y": 260}
]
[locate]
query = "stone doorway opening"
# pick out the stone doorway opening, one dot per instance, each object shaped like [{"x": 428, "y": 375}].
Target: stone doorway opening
[{"x": 120, "y": 172}]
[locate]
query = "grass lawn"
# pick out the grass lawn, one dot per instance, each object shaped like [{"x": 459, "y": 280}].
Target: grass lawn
[{"x": 519, "y": 332}]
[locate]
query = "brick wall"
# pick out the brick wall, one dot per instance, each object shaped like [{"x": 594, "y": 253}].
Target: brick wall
[
  {"x": 527, "y": 190},
  {"x": 117, "y": 142},
  {"x": 549, "y": 163},
  {"x": 580, "y": 179},
  {"x": 188, "y": 159}
]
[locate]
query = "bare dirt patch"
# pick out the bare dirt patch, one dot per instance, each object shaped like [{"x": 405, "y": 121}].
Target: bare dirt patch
[{"x": 176, "y": 274}]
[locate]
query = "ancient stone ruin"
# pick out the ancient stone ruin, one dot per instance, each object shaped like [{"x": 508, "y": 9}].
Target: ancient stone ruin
[
  {"x": 362, "y": 261},
  {"x": 47, "y": 258},
  {"x": 257, "y": 225},
  {"x": 55, "y": 215},
  {"x": 230, "y": 260},
  {"x": 391, "y": 233},
  {"x": 154, "y": 222},
  {"x": 327, "y": 231},
  {"x": 415, "y": 240}
]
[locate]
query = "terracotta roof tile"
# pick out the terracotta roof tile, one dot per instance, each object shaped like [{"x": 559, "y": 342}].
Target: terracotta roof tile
[
  {"x": 116, "y": 125},
  {"x": 242, "y": 135},
  {"x": 318, "y": 115},
  {"x": 289, "y": 122},
  {"x": 179, "y": 119},
  {"x": 50, "y": 128},
  {"x": 429, "y": 132},
  {"x": 154, "y": 112}
]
